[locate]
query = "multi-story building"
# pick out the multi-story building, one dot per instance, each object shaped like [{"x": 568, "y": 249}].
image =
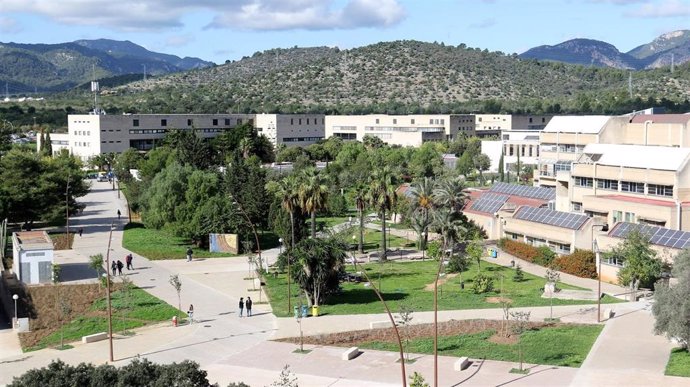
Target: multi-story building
[
  {"x": 514, "y": 145},
  {"x": 404, "y": 130},
  {"x": 92, "y": 134},
  {"x": 491, "y": 125}
]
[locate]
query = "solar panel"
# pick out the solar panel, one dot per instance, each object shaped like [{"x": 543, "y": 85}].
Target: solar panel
[
  {"x": 524, "y": 191},
  {"x": 567, "y": 220},
  {"x": 657, "y": 235},
  {"x": 489, "y": 203}
]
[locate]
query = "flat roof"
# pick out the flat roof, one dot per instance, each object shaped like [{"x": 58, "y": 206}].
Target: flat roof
[
  {"x": 639, "y": 156},
  {"x": 33, "y": 240},
  {"x": 661, "y": 118},
  {"x": 577, "y": 124}
]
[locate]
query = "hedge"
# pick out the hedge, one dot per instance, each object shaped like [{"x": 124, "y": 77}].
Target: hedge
[
  {"x": 519, "y": 249},
  {"x": 581, "y": 263}
]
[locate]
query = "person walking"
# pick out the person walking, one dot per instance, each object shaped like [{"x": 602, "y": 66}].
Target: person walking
[
  {"x": 128, "y": 260},
  {"x": 118, "y": 214},
  {"x": 119, "y": 267},
  {"x": 189, "y": 254},
  {"x": 248, "y": 304},
  {"x": 190, "y": 313},
  {"x": 81, "y": 231},
  {"x": 114, "y": 267},
  {"x": 241, "y": 305}
]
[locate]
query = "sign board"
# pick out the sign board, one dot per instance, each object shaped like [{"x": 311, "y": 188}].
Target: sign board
[{"x": 223, "y": 243}]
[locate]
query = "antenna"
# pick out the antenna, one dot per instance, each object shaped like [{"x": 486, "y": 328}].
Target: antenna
[
  {"x": 672, "y": 63},
  {"x": 144, "y": 73},
  {"x": 630, "y": 85},
  {"x": 94, "y": 89}
]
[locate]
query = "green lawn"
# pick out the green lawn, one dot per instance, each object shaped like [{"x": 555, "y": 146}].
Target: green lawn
[
  {"x": 140, "y": 309},
  {"x": 395, "y": 226},
  {"x": 403, "y": 283},
  {"x": 565, "y": 345},
  {"x": 679, "y": 363},
  {"x": 373, "y": 238},
  {"x": 160, "y": 244}
]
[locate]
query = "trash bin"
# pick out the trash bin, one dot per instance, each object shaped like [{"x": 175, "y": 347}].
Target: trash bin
[
  {"x": 304, "y": 310},
  {"x": 296, "y": 310},
  {"x": 174, "y": 321},
  {"x": 462, "y": 285},
  {"x": 494, "y": 253},
  {"x": 315, "y": 311}
]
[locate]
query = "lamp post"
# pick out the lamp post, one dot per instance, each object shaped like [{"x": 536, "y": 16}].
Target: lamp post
[
  {"x": 424, "y": 234},
  {"x": 595, "y": 248},
  {"x": 298, "y": 317},
  {"x": 14, "y": 322},
  {"x": 354, "y": 258},
  {"x": 107, "y": 282}
]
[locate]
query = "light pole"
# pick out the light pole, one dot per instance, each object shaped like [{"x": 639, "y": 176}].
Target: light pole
[
  {"x": 595, "y": 248},
  {"x": 424, "y": 234},
  {"x": 354, "y": 258},
  {"x": 15, "y": 298},
  {"x": 107, "y": 282},
  {"x": 67, "y": 212},
  {"x": 298, "y": 317}
]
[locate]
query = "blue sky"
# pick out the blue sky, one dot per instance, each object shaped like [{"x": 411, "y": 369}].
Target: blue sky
[{"x": 218, "y": 30}]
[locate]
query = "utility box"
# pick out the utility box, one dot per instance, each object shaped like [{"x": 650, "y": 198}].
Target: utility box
[{"x": 32, "y": 257}]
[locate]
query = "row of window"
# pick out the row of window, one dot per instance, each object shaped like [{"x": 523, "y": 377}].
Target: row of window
[
  {"x": 557, "y": 247},
  {"x": 624, "y": 186},
  {"x": 524, "y": 150},
  {"x": 313, "y": 120},
  {"x": 81, "y": 143},
  {"x": 404, "y": 129},
  {"x": 190, "y": 122},
  {"x": 301, "y": 139},
  {"x": 346, "y": 136},
  {"x": 82, "y": 132}
]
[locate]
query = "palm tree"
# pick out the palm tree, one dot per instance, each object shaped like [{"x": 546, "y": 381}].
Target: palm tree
[
  {"x": 360, "y": 197},
  {"x": 313, "y": 193},
  {"x": 450, "y": 193},
  {"x": 421, "y": 193},
  {"x": 382, "y": 196}
]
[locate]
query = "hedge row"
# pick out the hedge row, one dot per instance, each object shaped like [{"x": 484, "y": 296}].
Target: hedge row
[{"x": 581, "y": 263}]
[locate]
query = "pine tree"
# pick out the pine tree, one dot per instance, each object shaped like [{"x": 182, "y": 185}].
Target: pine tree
[
  {"x": 519, "y": 275},
  {"x": 43, "y": 142},
  {"x": 48, "y": 147},
  {"x": 501, "y": 171}
]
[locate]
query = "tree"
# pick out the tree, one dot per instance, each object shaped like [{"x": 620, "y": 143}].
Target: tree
[
  {"x": 317, "y": 265},
  {"x": 405, "y": 320},
  {"x": 520, "y": 326},
  {"x": 189, "y": 148},
  {"x": 552, "y": 278},
  {"x": 671, "y": 307},
  {"x": 48, "y": 147},
  {"x": 382, "y": 196},
  {"x": 96, "y": 263},
  {"x": 313, "y": 193},
  {"x": 360, "y": 198},
  {"x": 482, "y": 163},
  {"x": 286, "y": 378},
  {"x": 450, "y": 193},
  {"x": 287, "y": 190},
  {"x": 519, "y": 275},
  {"x": 501, "y": 168},
  {"x": 421, "y": 195},
  {"x": 640, "y": 266},
  {"x": 177, "y": 285},
  {"x": 417, "y": 380}
]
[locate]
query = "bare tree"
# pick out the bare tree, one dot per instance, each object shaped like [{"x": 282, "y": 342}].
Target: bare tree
[
  {"x": 177, "y": 284},
  {"x": 520, "y": 325}
]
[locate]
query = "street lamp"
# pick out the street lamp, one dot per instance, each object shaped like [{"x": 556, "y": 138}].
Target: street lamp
[
  {"x": 354, "y": 258},
  {"x": 15, "y": 298},
  {"x": 595, "y": 248},
  {"x": 298, "y": 317},
  {"x": 424, "y": 234}
]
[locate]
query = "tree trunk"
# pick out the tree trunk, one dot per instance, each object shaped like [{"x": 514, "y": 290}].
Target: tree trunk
[
  {"x": 292, "y": 229},
  {"x": 383, "y": 233},
  {"x": 361, "y": 231},
  {"x": 313, "y": 224}
]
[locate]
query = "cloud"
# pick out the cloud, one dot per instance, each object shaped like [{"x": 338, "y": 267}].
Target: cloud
[
  {"x": 179, "y": 40},
  {"x": 619, "y": 2},
  {"x": 663, "y": 9},
  {"x": 235, "y": 14},
  {"x": 486, "y": 23},
  {"x": 9, "y": 25}
]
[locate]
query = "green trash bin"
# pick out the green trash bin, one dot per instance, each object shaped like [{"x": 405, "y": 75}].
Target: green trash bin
[{"x": 315, "y": 311}]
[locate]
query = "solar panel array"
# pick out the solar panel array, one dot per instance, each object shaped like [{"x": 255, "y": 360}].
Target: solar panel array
[
  {"x": 525, "y": 191},
  {"x": 657, "y": 235},
  {"x": 489, "y": 203},
  {"x": 554, "y": 218}
]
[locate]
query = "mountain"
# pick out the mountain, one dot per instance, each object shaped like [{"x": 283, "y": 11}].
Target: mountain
[
  {"x": 584, "y": 52},
  {"x": 589, "y": 52},
  {"x": 395, "y": 77},
  {"x": 658, "y": 53},
  {"x": 57, "y": 67}
]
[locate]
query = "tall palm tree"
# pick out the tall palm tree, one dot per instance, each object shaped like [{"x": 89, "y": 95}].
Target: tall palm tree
[
  {"x": 450, "y": 193},
  {"x": 360, "y": 197},
  {"x": 313, "y": 193},
  {"x": 421, "y": 193},
  {"x": 382, "y": 197}
]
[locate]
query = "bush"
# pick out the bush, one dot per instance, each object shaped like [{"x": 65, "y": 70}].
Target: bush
[
  {"x": 457, "y": 263},
  {"x": 545, "y": 256},
  {"x": 581, "y": 263},
  {"x": 482, "y": 284},
  {"x": 519, "y": 274},
  {"x": 519, "y": 249}
]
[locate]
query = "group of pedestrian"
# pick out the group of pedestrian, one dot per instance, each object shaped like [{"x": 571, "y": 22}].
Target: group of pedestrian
[
  {"x": 117, "y": 266},
  {"x": 246, "y": 304}
]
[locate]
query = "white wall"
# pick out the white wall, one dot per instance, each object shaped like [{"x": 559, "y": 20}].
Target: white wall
[{"x": 493, "y": 150}]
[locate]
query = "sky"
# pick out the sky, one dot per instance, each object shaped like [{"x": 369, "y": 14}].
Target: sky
[{"x": 220, "y": 30}]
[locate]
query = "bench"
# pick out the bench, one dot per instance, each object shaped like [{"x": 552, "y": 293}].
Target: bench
[
  {"x": 95, "y": 337},
  {"x": 350, "y": 354},
  {"x": 461, "y": 364},
  {"x": 608, "y": 313},
  {"x": 379, "y": 324}
]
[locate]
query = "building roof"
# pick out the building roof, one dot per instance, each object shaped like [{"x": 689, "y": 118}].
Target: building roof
[
  {"x": 488, "y": 203},
  {"x": 638, "y": 156},
  {"x": 524, "y": 191},
  {"x": 569, "y": 220},
  {"x": 657, "y": 235},
  {"x": 661, "y": 118},
  {"x": 577, "y": 124},
  {"x": 33, "y": 240}
]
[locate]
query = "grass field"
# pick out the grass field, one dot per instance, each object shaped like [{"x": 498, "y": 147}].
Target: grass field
[
  {"x": 562, "y": 345},
  {"x": 160, "y": 244},
  {"x": 679, "y": 363},
  {"x": 403, "y": 283}
]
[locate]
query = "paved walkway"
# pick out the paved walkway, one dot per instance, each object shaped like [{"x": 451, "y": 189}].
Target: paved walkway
[{"x": 238, "y": 349}]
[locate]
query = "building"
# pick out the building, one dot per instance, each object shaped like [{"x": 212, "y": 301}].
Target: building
[
  {"x": 32, "y": 257},
  {"x": 513, "y": 143},
  {"x": 92, "y": 134},
  {"x": 404, "y": 130},
  {"x": 491, "y": 125}
]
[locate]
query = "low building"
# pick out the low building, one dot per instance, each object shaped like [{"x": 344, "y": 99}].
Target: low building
[{"x": 32, "y": 257}]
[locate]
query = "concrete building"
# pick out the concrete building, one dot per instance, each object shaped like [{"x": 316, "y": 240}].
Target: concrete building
[
  {"x": 32, "y": 257},
  {"x": 491, "y": 125},
  {"x": 404, "y": 130},
  {"x": 512, "y": 143},
  {"x": 92, "y": 134}
]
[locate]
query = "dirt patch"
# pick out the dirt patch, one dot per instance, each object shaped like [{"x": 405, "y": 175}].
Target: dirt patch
[
  {"x": 449, "y": 328},
  {"x": 503, "y": 339},
  {"x": 441, "y": 281},
  {"x": 497, "y": 300}
]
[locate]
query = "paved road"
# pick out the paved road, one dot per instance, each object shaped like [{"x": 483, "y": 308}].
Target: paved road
[{"x": 239, "y": 349}]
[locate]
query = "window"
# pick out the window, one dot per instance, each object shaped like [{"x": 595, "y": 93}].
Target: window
[
  {"x": 164, "y": 122},
  {"x": 189, "y": 122},
  {"x": 660, "y": 190},
  {"x": 135, "y": 122},
  {"x": 577, "y": 207},
  {"x": 395, "y": 121},
  {"x": 307, "y": 121},
  {"x": 631, "y": 186},
  {"x": 227, "y": 122},
  {"x": 300, "y": 121},
  {"x": 530, "y": 120},
  {"x": 583, "y": 181},
  {"x": 613, "y": 260},
  {"x": 607, "y": 184},
  {"x": 377, "y": 120},
  {"x": 412, "y": 121},
  {"x": 543, "y": 119},
  {"x": 215, "y": 122},
  {"x": 292, "y": 121},
  {"x": 563, "y": 165},
  {"x": 630, "y": 217},
  {"x": 617, "y": 216},
  {"x": 239, "y": 121}
]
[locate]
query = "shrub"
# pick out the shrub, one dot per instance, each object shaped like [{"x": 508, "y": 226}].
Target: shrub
[
  {"x": 519, "y": 275},
  {"x": 482, "y": 284},
  {"x": 581, "y": 263},
  {"x": 457, "y": 263},
  {"x": 544, "y": 256},
  {"x": 519, "y": 249}
]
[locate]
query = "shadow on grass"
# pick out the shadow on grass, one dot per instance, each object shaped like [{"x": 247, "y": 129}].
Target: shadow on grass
[{"x": 363, "y": 296}]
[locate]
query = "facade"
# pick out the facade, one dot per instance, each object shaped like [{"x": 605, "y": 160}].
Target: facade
[
  {"x": 403, "y": 130},
  {"x": 92, "y": 134},
  {"x": 491, "y": 125},
  {"x": 32, "y": 257},
  {"x": 512, "y": 143}
]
